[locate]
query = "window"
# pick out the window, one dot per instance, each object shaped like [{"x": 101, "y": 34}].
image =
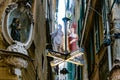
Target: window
[
  {"x": 90, "y": 54},
  {"x": 80, "y": 73},
  {"x": 96, "y": 32},
  {"x": 80, "y": 22},
  {"x": 68, "y": 5},
  {"x": 57, "y": 2},
  {"x": 42, "y": 1},
  {"x": 104, "y": 17},
  {"x": 42, "y": 62}
]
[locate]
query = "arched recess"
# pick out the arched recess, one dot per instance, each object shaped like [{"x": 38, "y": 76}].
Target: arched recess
[{"x": 24, "y": 15}]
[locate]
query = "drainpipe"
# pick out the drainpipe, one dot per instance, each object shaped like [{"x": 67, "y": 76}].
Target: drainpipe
[
  {"x": 108, "y": 32},
  {"x": 109, "y": 49}
]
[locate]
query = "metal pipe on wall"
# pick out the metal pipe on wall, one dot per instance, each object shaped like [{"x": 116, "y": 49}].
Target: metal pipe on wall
[{"x": 109, "y": 50}]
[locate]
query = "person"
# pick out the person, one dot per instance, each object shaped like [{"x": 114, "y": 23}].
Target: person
[
  {"x": 57, "y": 36},
  {"x": 73, "y": 38},
  {"x": 15, "y": 29}
]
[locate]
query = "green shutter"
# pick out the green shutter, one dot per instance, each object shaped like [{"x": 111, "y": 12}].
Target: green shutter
[{"x": 71, "y": 69}]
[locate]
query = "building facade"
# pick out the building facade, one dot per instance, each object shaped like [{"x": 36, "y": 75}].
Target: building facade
[
  {"x": 23, "y": 53},
  {"x": 28, "y": 62},
  {"x": 99, "y": 40}
]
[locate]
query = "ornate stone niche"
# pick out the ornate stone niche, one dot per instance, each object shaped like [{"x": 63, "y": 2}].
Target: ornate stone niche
[
  {"x": 23, "y": 14},
  {"x": 17, "y": 29}
]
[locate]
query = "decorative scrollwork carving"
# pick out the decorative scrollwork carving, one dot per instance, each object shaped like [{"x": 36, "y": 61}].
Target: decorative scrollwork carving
[
  {"x": 16, "y": 54},
  {"x": 10, "y": 7},
  {"x": 18, "y": 47}
]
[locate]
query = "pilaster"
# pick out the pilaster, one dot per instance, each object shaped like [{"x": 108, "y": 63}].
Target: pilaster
[
  {"x": 115, "y": 34},
  {"x": 115, "y": 31}
]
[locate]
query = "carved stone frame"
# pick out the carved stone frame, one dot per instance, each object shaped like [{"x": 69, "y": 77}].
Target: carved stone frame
[{"x": 5, "y": 26}]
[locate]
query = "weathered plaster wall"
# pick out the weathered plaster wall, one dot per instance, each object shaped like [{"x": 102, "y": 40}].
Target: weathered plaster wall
[
  {"x": 5, "y": 73},
  {"x": 40, "y": 41}
]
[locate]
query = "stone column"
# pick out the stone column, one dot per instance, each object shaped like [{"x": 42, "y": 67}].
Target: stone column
[{"x": 116, "y": 31}]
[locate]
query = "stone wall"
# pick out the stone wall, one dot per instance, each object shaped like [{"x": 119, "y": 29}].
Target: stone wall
[
  {"x": 5, "y": 71},
  {"x": 3, "y": 4},
  {"x": 40, "y": 41}
]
